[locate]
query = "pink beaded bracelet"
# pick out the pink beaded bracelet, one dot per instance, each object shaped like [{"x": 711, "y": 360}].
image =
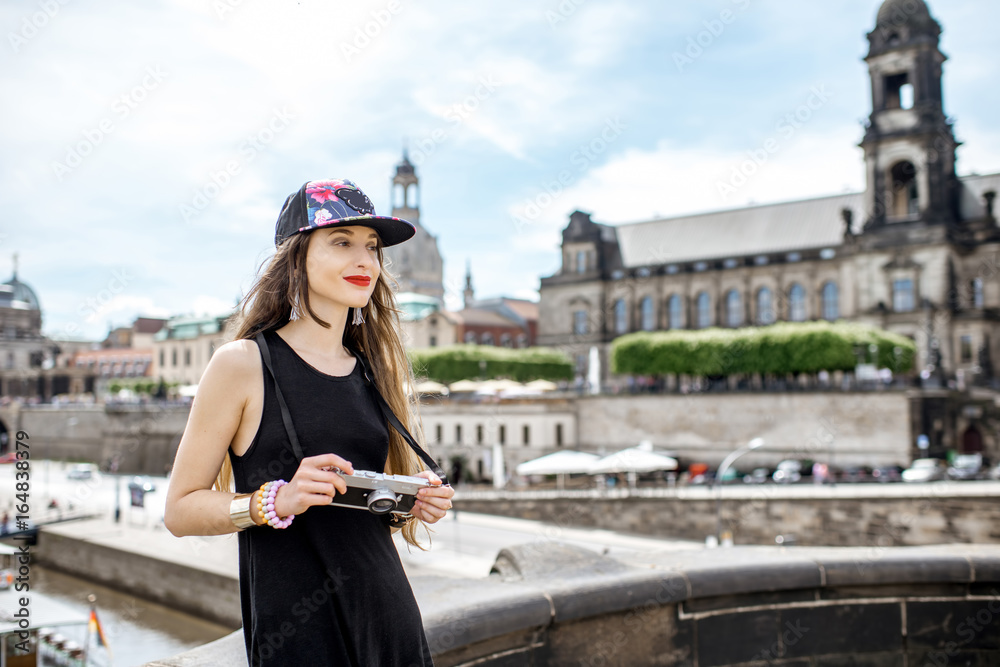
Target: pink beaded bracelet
[{"x": 265, "y": 506}]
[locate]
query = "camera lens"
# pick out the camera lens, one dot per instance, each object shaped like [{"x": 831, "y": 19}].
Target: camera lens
[{"x": 381, "y": 501}]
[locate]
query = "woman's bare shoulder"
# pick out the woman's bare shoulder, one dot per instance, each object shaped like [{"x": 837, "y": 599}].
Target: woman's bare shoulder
[{"x": 238, "y": 359}]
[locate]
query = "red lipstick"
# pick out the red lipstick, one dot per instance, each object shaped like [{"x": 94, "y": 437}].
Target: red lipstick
[{"x": 360, "y": 281}]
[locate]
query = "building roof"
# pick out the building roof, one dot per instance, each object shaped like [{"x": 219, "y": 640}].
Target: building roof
[
  {"x": 899, "y": 12},
  {"x": 526, "y": 309},
  {"x": 481, "y": 317},
  {"x": 186, "y": 327},
  {"x": 416, "y": 306},
  {"x": 148, "y": 325},
  {"x": 17, "y": 294},
  {"x": 758, "y": 230},
  {"x": 971, "y": 198},
  {"x": 755, "y": 230}
]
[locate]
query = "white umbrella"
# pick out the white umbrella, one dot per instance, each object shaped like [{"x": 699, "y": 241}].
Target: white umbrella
[
  {"x": 542, "y": 385},
  {"x": 431, "y": 387},
  {"x": 559, "y": 463},
  {"x": 464, "y": 385},
  {"x": 634, "y": 459}
]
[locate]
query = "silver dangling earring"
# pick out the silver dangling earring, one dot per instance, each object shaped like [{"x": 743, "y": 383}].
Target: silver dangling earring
[
  {"x": 295, "y": 314},
  {"x": 358, "y": 317}
]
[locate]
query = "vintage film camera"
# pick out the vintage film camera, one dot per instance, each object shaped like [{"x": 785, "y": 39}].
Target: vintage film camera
[{"x": 379, "y": 493}]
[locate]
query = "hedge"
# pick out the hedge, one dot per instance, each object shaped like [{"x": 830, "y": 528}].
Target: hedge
[
  {"x": 778, "y": 349},
  {"x": 462, "y": 362}
]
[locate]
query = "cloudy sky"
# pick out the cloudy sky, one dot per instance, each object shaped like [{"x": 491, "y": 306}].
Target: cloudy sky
[{"x": 147, "y": 147}]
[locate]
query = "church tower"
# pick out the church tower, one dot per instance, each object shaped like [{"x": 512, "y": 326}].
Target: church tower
[
  {"x": 468, "y": 294},
  {"x": 416, "y": 264},
  {"x": 909, "y": 144}
]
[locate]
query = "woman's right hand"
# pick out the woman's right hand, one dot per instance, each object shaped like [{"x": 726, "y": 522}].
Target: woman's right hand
[{"x": 314, "y": 483}]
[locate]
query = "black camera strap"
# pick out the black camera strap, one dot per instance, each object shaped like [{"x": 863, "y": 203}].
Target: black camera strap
[{"x": 387, "y": 412}]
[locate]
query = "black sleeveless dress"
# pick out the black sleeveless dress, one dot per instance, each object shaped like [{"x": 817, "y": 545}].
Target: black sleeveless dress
[{"x": 329, "y": 589}]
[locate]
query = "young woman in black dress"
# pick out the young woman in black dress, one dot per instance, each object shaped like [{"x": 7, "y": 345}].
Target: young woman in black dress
[{"x": 320, "y": 584}]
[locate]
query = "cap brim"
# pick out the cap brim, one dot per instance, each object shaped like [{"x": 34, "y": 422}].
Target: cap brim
[{"x": 391, "y": 230}]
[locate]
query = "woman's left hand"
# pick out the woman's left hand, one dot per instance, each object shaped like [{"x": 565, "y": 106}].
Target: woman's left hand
[{"x": 433, "y": 502}]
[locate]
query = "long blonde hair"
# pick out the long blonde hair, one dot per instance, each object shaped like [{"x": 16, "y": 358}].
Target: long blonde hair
[{"x": 268, "y": 305}]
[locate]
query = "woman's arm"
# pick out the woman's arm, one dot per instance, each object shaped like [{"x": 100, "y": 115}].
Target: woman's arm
[
  {"x": 217, "y": 414},
  {"x": 217, "y": 411}
]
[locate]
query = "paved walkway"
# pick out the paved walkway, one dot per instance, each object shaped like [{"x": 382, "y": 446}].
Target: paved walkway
[{"x": 465, "y": 545}]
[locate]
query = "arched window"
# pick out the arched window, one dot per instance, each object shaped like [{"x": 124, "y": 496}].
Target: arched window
[
  {"x": 831, "y": 308},
  {"x": 734, "y": 308},
  {"x": 506, "y": 340},
  {"x": 621, "y": 317},
  {"x": 905, "y": 200},
  {"x": 797, "y": 303},
  {"x": 765, "y": 306},
  {"x": 648, "y": 317},
  {"x": 580, "y": 327},
  {"x": 470, "y": 336},
  {"x": 486, "y": 338},
  {"x": 977, "y": 293},
  {"x": 675, "y": 310},
  {"x": 902, "y": 295},
  {"x": 704, "y": 310}
]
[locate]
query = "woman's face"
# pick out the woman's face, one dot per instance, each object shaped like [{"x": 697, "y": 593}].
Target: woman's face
[{"x": 342, "y": 266}]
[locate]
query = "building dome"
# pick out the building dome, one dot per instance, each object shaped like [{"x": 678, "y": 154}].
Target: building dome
[
  {"x": 907, "y": 16},
  {"x": 900, "y": 11},
  {"x": 16, "y": 294}
]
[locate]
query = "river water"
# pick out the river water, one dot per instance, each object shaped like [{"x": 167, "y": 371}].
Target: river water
[{"x": 137, "y": 631}]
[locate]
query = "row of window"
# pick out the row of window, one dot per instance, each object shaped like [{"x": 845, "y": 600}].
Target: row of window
[
  {"x": 486, "y": 338},
  {"x": 187, "y": 356},
  {"x": 501, "y": 434},
  {"x": 767, "y": 310}
]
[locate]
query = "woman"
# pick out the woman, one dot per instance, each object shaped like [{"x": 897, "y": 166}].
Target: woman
[{"x": 321, "y": 584}]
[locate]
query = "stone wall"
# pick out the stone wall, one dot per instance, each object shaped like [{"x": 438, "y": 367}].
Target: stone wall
[
  {"x": 553, "y": 604},
  {"x": 200, "y": 592},
  {"x": 849, "y": 428},
  {"x": 847, "y": 515},
  {"x": 143, "y": 438}
]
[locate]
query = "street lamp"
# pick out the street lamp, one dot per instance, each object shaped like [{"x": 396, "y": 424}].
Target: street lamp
[{"x": 727, "y": 462}]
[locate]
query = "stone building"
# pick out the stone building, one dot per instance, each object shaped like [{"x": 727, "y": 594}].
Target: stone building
[
  {"x": 916, "y": 253},
  {"x": 33, "y": 367},
  {"x": 183, "y": 348},
  {"x": 416, "y": 264},
  {"x": 423, "y": 322}
]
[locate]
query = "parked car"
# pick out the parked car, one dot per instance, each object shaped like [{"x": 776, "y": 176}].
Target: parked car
[
  {"x": 758, "y": 476},
  {"x": 144, "y": 483},
  {"x": 925, "y": 470},
  {"x": 888, "y": 474},
  {"x": 788, "y": 472},
  {"x": 855, "y": 474},
  {"x": 966, "y": 466},
  {"x": 81, "y": 471}
]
